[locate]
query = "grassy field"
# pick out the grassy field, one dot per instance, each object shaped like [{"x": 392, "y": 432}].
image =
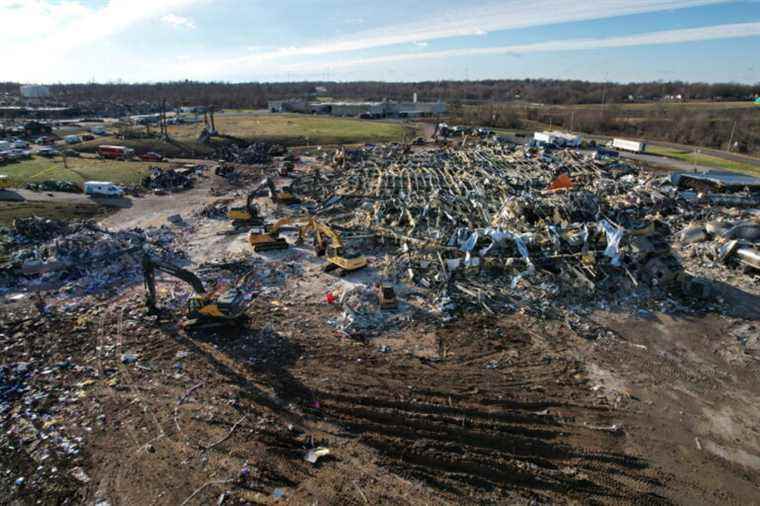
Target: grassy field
[
  {"x": 705, "y": 160},
  {"x": 79, "y": 170},
  {"x": 696, "y": 106},
  {"x": 65, "y": 211},
  {"x": 300, "y": 129}
]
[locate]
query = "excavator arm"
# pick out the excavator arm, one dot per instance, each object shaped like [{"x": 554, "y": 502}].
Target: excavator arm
[{"x": 151, "y": 265}]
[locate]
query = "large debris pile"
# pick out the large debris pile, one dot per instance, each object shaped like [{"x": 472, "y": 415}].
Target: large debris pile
[
  {"x": 167, "y": 179},
  {"x": 256, "y": 153},
  {"x": 496, "y": 226},
  {"x": 54, "y": 186},
  {"x": 77, "y": 257}
]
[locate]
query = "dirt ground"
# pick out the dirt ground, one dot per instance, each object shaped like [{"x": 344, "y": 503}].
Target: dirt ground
[{"x": 656, "y": 408}]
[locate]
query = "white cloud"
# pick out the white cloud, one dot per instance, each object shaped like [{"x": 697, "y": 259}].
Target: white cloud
[
  {"x": 653, "y": 38},
  {"x": 38, "y": 35},
  {"x": 179, "y": 21},
  {"x": 471, "y": 20}
]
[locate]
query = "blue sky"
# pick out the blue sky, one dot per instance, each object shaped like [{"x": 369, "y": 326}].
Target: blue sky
[{"x": 256, "y": 40}]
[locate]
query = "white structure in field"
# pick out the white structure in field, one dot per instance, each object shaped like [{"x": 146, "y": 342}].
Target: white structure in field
[
  {"x": 560, "y": 139},
  {"x": 634, "y": 146},
  {"x": 34, "y": 91}
]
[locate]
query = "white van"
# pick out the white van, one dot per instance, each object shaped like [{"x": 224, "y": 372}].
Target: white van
[{"x": 102, "y": 189}]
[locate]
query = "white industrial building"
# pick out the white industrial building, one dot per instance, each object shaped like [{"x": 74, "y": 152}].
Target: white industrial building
[
  {"x": 34, "y": 91},
  {"x": 383, "y": 109},
  {"x": 560, "y": 139}
]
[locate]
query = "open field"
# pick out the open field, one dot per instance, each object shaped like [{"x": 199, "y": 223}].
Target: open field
[
  {"x": 62, "y": 210},
  {"x": 705, "y": 160},
  {"x": 299, "y": 129},
  {"x": 644, "y": 106},
  {"x": 79, "y": 170}
]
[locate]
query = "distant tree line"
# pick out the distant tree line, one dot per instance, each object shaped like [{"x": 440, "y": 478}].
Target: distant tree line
[{"x": 256, "y": 95}]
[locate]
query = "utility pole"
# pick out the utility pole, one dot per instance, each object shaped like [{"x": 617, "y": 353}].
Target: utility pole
[{"x": 731, "y": 137}]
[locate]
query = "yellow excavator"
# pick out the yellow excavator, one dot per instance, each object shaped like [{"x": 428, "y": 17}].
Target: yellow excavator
[
  {"x": 283, "y": 196},
  {"x": 203, "y": 308},
  {"x": 333, "y": 252},
  {"x": 268, "y": 238},
  {"x": 246, "y": 216}
]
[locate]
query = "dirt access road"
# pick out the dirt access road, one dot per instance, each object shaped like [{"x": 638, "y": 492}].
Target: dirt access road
[{"x": 647, "y": 408}]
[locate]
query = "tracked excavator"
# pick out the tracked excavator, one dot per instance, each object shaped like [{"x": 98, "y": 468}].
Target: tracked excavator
[
  {"x": 247, "y": 216},
  {"x": 283, "y": 196},
  {"x": 203, "y": 309},
  {"x": 268, "y": 238},
  {"x": 333, "y": 251}
]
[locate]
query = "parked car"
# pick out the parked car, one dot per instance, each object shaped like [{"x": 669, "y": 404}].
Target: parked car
[
  {"x": 72, "y": 139},
  {"x": 19, "y": 144},
  {"x": 151, "y": 157},
  {"x": 88, "y": 137},
  {"x": 48, "y": 152},
  {"x": 44, "y": 141},
  {"x": 71, "y": 152}
]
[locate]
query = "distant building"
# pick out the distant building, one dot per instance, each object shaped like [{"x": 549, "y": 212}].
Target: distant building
[
  {"x": 383, "y": 109},
  {"x": 34, "y": 91}
]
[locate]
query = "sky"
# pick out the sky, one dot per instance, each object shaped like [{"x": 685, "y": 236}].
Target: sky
[{"x": 50, "y": 41}]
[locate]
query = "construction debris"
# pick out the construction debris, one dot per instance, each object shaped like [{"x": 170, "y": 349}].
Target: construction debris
[
  {"x": 54, "y": 186},
  {"x": 167, "y": 179}
]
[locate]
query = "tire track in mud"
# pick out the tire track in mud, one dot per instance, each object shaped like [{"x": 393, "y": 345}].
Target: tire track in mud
[{"x": 532, "y": 430}]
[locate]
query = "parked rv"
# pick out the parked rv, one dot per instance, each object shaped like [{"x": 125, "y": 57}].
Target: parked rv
[{"x": 102, "y": 189}]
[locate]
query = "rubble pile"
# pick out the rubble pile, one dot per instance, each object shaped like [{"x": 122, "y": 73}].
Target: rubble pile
[
  {"x": 54, "y": 186},
  {"x": 77, "y": 258},
  {"x": 496, "y": 225},
  {"x": 256, "y": 153},
  {"x": 167, "y": 179}
]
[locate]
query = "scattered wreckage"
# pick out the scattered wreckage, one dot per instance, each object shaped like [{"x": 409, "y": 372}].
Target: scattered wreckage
[{"x": 498, "y": 226}]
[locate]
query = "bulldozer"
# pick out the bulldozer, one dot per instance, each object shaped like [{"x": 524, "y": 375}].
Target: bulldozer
[
  {"x": 203, "y": 308},
  {"x": 246, "y": 216},
  {"x": 268, "y": 238},
  {"x": 387, "y": 296},
  {"x": 334, "y": 252}
]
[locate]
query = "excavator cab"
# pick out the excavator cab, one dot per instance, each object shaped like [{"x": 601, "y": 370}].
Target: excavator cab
[
  {"x": 245, "y": 216},
  {"x": 202, "y": 307},
  {"x": 268, "y": 238}
]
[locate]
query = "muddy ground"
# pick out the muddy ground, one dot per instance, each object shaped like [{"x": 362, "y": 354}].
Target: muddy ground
[{"x": 647, "y": 408}]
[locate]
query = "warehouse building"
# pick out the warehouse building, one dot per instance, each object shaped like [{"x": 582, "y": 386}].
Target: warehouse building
[{"x": 385, "y": 109}]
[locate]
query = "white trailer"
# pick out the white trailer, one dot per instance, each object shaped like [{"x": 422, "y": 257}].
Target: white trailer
[
  {"x": 557, "y": 138},
  {"x": 633, "y": 146},
  {"x": 102, "y": 189}
]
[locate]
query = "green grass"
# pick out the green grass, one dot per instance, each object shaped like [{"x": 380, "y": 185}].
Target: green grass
[
  {"x": 705, "y": 160},
  {"x": 187, "y": 148},
  {"x": 65, "y": 211},
  {"x": 700, "y": 106},
  {"x": 300, "y": 130},
  {"x": 79, "y": 170}
]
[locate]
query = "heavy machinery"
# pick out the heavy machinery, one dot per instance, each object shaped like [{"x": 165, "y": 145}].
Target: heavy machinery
[
  {"x": 247, "y": 216},
  {"x": 337, "y": 258},
  {"x": 282, "y": 196},
  {"x": 387, "y": 296},
  {"x": 268, "y": 238},
  {"x": 203, "y": 308}
]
